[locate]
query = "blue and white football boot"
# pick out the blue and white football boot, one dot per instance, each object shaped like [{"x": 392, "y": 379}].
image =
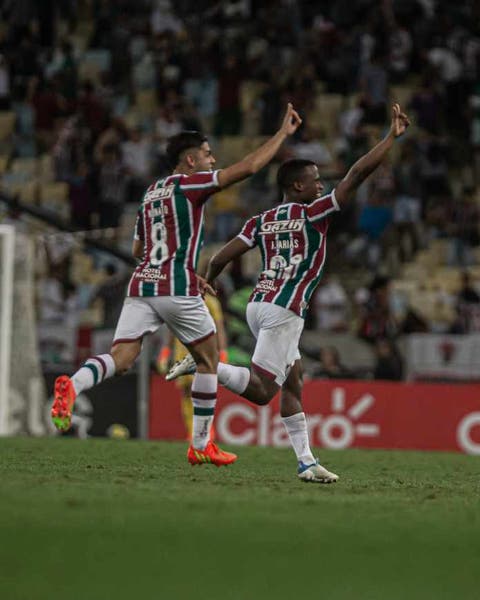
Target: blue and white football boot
[{"x": 315, "y": 473}]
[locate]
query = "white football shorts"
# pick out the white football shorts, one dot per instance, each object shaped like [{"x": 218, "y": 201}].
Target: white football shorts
[
  {"x": 278, "y": 332},
  {"x": 187, "y": 317}
]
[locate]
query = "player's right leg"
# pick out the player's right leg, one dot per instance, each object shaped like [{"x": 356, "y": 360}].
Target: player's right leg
[
  {"x": 253, "y": 385},
  {"x": 184, "y": 384},
  {"x": 277, "y": 331},
  {"x": 137, "y": 319}
]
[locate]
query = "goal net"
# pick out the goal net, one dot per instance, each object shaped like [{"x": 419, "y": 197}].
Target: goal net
[{"x": 22, "y": 389}]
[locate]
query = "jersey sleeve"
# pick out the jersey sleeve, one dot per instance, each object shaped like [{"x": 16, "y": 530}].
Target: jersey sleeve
[
  {"x": 139, "y": 233},
  {"x": 322, "y": 207},
  {"x": 199, "y": 186},
  {"x": 248, "y": 234}
]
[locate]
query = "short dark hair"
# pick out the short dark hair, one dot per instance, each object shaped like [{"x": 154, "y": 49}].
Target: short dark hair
[
  {"x": 184, "y": 140},
  {"x": 291, "y": 171}
]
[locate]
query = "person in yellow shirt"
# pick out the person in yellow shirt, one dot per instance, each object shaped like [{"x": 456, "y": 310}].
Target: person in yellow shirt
[{"x": 174, "y": 351}]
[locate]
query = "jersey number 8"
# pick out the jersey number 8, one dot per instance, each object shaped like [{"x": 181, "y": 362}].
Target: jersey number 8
[{"x": 159, "y": 251}]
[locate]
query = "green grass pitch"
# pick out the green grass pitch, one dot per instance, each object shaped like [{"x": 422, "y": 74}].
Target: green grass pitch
[{"x": 114, "y": 520}]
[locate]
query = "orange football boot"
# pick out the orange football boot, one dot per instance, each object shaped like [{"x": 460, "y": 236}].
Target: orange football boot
[
  {"x": 211, "y": 455},
  {"x": 64, "y": 397}
]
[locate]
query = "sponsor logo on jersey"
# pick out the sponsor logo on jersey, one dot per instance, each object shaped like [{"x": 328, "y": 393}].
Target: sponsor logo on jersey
[
  {"x": 281, "y": 226},
  {"x": 266, "y": 285},
  {"x": 159, "y": 194},
  {"x": 150, "y": 275}
]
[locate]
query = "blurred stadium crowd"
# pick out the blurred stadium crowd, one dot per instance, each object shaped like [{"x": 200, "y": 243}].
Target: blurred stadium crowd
[{"x": 90, "y": 91}]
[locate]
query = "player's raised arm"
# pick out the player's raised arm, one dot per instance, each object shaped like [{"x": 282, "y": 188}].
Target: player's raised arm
[
  {"x": 253, "y": 162},
  {"x": 370, "y": 161},
  {"x": 229, "y": 252}
]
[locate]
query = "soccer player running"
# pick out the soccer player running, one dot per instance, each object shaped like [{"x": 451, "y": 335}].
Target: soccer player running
[
  {"x": 164, "y": 287},
  {"x": 292, "y": 241}
]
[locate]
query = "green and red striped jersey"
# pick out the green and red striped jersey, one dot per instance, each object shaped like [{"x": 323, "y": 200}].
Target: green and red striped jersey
[
  {"x": 292, "y": 240},
  {"x": 170, "y": 225}
]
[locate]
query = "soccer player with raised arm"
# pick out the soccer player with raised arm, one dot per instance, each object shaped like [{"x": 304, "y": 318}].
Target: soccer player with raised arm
[
  {"x": 292, "y": 241},
  {"x": 164, "y": 287}
]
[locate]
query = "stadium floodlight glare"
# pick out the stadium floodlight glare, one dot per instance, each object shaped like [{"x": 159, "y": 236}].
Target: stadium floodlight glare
[{"x": 7, "y": 241}]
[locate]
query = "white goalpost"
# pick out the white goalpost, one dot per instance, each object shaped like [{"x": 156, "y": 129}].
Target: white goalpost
[
  {"x": 23, "y": 402},
  {"x": 7, "y": 257}
]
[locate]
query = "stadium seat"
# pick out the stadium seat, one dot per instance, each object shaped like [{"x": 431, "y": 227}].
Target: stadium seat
[
  {"x": 439, "y": 249},
  {"x": 232, "y": 148},
  {"x": 81, "y": 268},
  {"x": 448, "y": 278},
  {"x": 327, "y": 109},
  {"x": 407, "y": 286},
  {"x": 120, "y": 105},
  {"x": 414, "y": 271},
  {"x": 7, "y": 124},
  {"x": 352, "y": 100},
  {"x": 25, "y": 119},
  {"x": 4, "y": 158},
  {"x": 100, "y": 57},
  {"x": 227, "y": 200},
  {"x": 146, "y": 101},
  {"x": 401, "y": 94},
  {"x": 45, "y": 168},
  {"x": 25, "y": 191},
  {"x": 54, "y": 197},
  {"x": 79, "y": 42},
  {"x": 26, "y": 166},
  {"x": 28, "y": 192},
  {"x": 250, "y": 91},
  {"x": 475, "y": 272},
  {"x": 89, "y": 71}
]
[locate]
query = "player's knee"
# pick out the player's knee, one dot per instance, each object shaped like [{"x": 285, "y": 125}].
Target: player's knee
[
  {"x": 124, "y": 359},
  {"x": 122, "y": 365},
  {"x": 263, "y": 398},
  {"x": 268, "y": 391}
]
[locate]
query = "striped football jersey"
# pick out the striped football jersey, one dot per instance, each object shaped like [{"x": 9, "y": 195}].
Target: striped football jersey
[
  {"x": 170, "y": 225},
  {"x": 292, "y": 240}
]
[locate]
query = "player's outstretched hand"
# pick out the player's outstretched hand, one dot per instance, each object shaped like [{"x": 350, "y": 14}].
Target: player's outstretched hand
[
  {"x": 204, "y": 287},
  {"x": 291, "y": 120},
  {"x": 400, "y": 121}
]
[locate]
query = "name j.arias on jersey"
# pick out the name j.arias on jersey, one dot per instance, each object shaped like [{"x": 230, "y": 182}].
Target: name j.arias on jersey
[{"x": 284, "y": 244}]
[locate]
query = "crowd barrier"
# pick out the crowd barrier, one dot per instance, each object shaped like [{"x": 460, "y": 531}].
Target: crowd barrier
[{"x": 341, "y": 414}]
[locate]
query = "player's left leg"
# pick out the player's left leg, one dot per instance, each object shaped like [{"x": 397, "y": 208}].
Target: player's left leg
[
  {"x": 137, "y": 319},
  {"x": 295, "y": 423},
  {"x": 95, "y": 370}
]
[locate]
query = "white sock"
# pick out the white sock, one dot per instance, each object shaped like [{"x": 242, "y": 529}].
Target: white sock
[
  {"x": 95, "y": 370},
  {"x": 235, "y": 379},
  {"x": 204, "y": 398},
  {"x": 296, "y": 426}
]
